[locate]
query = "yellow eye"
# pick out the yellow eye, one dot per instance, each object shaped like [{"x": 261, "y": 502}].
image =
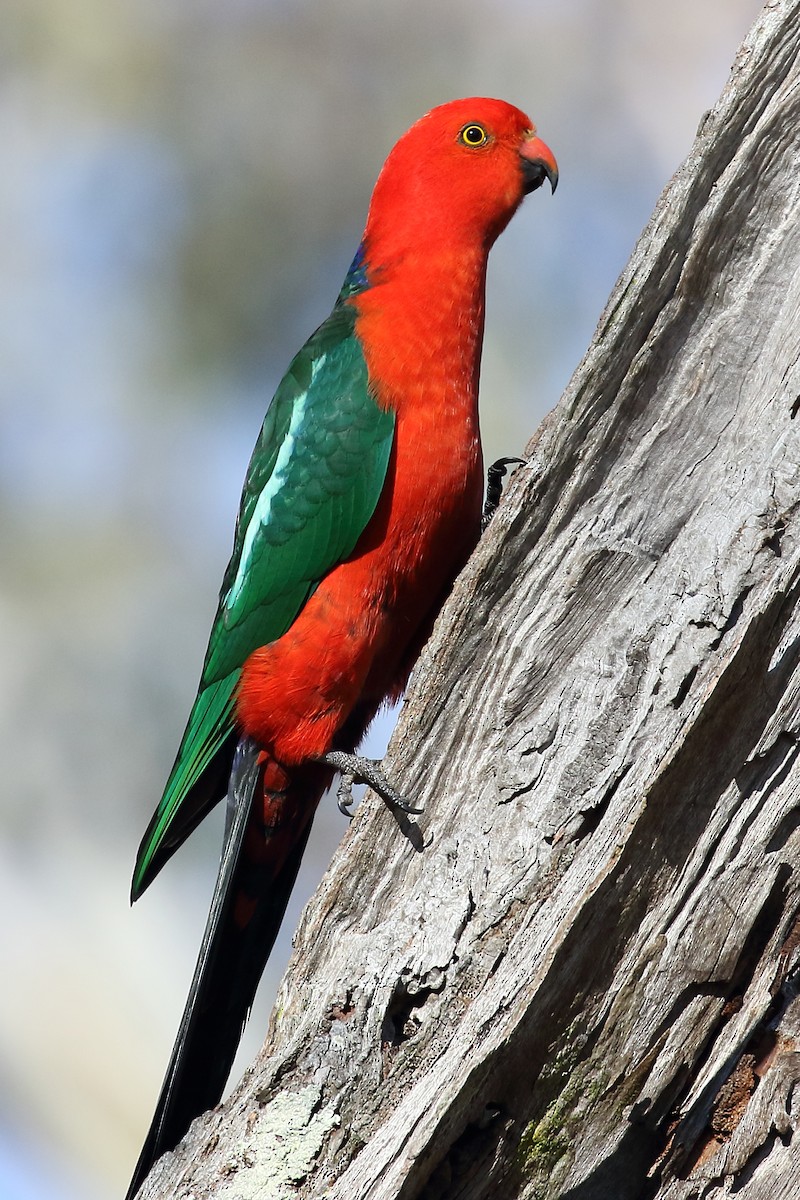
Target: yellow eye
[{"x": 473, "y": 135}]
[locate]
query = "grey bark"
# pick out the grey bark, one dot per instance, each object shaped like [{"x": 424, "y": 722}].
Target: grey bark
[{"x": 576, "y": 975}]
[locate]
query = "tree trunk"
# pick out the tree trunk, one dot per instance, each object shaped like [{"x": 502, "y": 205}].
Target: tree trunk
[{"x": 576, "y": 975}]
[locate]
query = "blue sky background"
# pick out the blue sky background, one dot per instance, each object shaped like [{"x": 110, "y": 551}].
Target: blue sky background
[{"x": 183, "y": 185}]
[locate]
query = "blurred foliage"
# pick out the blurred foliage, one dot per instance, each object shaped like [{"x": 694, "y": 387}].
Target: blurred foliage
[{"x": 183, "y": 185}]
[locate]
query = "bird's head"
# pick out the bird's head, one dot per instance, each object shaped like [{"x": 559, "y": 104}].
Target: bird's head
[{"x": 458, "y": 175}]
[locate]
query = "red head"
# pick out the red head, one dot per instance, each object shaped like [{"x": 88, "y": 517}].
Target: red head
[{"x": 455, "y": 180}]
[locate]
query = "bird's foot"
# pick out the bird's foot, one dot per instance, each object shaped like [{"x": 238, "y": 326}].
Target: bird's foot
[
  {"x": 355, "y": 769},
  {"x": 494, "y": 487}
]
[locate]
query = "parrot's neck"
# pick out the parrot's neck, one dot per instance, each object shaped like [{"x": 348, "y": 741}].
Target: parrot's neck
[{"x": 420, "y": 323}]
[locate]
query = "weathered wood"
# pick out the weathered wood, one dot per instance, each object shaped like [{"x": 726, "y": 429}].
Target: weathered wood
[{"x": 577, "y": 975}]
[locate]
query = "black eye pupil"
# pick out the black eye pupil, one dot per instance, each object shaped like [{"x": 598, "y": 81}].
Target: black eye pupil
[{"x": 474, "y": 135}]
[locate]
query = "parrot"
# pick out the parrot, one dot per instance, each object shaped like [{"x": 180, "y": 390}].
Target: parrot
[{"x": 362, "y": 501}]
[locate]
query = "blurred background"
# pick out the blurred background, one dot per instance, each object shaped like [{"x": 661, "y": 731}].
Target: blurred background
[{"x": 183, "y": 184}]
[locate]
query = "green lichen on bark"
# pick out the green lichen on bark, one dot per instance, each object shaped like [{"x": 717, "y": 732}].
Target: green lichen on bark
[{"x": 545, "y": 1141}]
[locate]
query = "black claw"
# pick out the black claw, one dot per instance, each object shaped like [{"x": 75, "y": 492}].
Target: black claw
[
  {"x": 355, "y": 769},
  {"x": 494, "y": 487},
  {"x": 344, "y": 795}
]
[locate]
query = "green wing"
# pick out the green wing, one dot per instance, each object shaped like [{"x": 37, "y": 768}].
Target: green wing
[{"x": 312, "y": 485}]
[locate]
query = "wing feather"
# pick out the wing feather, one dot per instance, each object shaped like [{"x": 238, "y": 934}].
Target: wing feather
[{"x": 312, "y": 485}]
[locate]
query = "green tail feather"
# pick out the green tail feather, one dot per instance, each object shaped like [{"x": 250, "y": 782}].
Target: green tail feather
[{"x": 211, "y": 725}]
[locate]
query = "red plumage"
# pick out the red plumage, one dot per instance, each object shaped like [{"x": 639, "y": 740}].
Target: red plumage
[{"x": 437, "y": 207}]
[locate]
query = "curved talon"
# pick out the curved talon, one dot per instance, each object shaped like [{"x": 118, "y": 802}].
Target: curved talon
[
  {"x": 344, "y": 795},
  {"x": 494, "y": 487},
  {"x": 355, "y": 769}
]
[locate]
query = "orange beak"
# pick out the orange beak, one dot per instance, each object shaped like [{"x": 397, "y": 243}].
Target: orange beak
[{"x": 538, "y": 164}]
